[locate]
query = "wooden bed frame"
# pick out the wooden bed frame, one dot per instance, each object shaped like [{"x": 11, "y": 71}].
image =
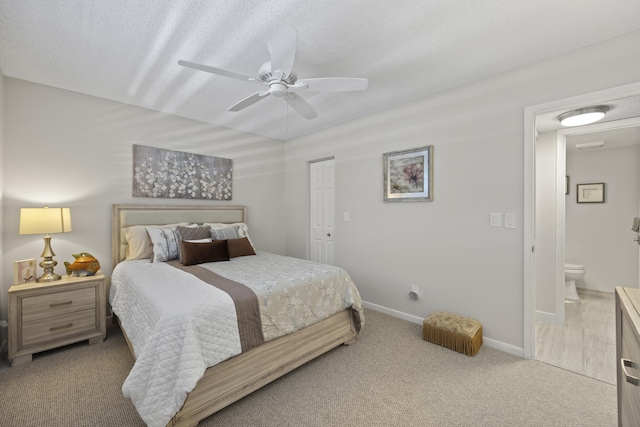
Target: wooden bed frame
[{"x": 234, "y": 378}]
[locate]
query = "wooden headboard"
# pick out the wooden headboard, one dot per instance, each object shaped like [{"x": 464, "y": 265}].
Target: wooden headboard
[{"x": 127, "y": 215}]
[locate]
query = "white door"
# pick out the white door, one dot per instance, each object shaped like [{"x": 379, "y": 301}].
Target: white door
[{"x": 322, "y": 210}]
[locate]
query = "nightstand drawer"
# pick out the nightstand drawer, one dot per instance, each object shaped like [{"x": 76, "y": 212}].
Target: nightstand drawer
[
  {"x": 56, "y": 303},
  {"x": 54, "y": 328}
]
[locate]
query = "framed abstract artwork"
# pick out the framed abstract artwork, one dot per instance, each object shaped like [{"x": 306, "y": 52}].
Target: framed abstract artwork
[
  {"x": 173, "y": 174},
  {"x": 408, "y": 175},
  {"x": 590, "y": 193}
]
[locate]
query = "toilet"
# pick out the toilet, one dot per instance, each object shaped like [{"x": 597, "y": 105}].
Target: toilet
[{"x": 572, "y": 272}]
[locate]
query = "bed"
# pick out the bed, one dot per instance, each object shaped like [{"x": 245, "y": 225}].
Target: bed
[{"x": 184, "y": 366}]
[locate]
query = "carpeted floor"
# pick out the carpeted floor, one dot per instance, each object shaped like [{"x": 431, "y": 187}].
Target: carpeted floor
[{"x": 389, "y": 377}]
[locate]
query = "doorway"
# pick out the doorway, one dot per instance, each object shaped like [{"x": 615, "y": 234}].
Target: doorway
[
  {"x": 322, "y": 188},
  {"x": 531, "y": 114},
  {"x": 579, "y": 335}
]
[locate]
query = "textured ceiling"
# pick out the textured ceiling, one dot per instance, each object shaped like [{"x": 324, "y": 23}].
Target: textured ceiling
[{"x": 127, "y": 50}]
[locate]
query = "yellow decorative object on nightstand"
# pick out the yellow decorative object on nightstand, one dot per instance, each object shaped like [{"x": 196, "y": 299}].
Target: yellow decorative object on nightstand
[{"x": 47, "y": 315}]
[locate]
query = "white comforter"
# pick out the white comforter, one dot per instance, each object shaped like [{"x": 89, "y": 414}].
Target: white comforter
[{"x": 178, "y": 325}]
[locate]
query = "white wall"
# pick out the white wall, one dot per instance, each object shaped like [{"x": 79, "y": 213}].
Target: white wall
[
  {"x": 446, "y": 246},
  {"x": 598, "y": 235},
  {"x": 545, "y": 269},
  {"x": 63, "y": 148}
]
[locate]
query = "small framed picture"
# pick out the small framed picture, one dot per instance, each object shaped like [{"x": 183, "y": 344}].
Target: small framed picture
[
  {"x": 408, "y": 175},
  {"x": 24, "y": 271},
  {"x": 590, "y": 193}
]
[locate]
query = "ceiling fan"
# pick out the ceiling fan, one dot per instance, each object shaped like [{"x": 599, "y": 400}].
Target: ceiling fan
[{"x": 277, "y": 74}]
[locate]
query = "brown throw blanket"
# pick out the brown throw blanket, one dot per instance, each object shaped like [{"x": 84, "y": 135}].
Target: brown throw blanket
[{"x": 245, "y": 300}]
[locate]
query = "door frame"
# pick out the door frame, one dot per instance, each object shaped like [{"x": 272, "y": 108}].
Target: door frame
[{"x": 529, "y": 194}]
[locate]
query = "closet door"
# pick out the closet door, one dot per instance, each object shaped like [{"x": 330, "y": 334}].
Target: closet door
[{"x": 322, "y": 210}]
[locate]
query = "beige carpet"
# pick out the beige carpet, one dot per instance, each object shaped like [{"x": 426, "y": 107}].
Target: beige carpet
[{"x": 390, "y": 377}]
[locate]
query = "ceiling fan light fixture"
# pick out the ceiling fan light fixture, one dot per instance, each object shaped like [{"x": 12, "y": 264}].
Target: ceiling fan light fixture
[{"x": 583, "y": 116}]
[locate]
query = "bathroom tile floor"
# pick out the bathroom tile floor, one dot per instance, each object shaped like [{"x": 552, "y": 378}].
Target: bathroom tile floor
[{"x": 586, "y": 343}]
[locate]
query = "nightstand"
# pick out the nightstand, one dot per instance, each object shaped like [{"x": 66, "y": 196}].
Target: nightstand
[{"x": 47, "y": 315}]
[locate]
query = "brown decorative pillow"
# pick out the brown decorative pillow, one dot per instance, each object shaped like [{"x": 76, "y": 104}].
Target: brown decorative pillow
[
  {"x": 191, "y": 233},
  {"x": 198, "y": 253},
  {"x": 240, "y": 247}
]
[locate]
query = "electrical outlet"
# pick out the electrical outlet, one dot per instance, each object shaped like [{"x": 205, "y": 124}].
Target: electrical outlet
[{"x": 414, "y": 293}]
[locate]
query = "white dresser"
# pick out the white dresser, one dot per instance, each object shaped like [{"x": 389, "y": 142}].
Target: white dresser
[{"x": 628, "y": 355}]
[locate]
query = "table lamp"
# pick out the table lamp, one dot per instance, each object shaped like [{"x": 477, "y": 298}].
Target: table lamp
[{"x": 46, "y": 221}]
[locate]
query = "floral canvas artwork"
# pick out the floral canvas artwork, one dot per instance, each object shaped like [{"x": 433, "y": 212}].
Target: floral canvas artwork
[
  {"x": 170, "y": 174},
  {"x": 408, "y": 175}
]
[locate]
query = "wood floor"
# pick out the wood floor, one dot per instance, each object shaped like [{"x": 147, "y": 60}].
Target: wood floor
[{"x": 586, "y": 343}]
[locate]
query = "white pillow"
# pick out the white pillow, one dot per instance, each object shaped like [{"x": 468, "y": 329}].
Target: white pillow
[
  {"x": 217, "y": 229},
  {"x": 139, "y": 244},
  {"x": 165, "y": 243},
  {"x": 199, "y": 241}
]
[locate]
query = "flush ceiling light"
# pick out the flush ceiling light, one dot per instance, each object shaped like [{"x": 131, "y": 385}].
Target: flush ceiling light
[{"x": 583, "y": 116}]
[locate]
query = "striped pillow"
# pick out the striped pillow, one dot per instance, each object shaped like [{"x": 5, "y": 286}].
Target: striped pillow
[
  {"x": 242, "y": 231},
  {"x": 226, "y": 233},
  {"x": 186, "y": 234}
]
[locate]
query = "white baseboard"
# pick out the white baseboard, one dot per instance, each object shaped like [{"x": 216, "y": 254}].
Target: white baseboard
[
  {"x": 395, "y": 313},
  {"x": 489, "y": 342},
  {"x": 543, "y": 316}
]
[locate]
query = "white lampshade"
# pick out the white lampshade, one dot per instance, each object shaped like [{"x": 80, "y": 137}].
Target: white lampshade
[{"x": 45, "y": 220}]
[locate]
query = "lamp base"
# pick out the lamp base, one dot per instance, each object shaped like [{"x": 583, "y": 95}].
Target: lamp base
[
  {"x": 48, "y": 277},
  {"x": 48, "y": 263}
]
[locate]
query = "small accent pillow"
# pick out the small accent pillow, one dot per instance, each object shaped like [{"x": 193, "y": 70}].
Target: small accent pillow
[
  {"x": 225, "y": 233},
  {"x": 207, "y": 240},
  {"x": 139, "y": 244},
  {"x": 242, "y": 231},
  {"x": 165, "y": 243},
  {"x": 191, "y": 233},
  {"x": 240, "y": 247},
  {"x": 197, "y": 253}
]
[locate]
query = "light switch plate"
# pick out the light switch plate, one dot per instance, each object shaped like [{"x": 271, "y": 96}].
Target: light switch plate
[
  {"x": 509, "y": 220},
  {"x": 496, "y": 219},
  {"x": 346, "y": 217}
]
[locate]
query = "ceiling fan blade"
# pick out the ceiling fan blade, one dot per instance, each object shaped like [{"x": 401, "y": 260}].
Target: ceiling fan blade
[
  {"x": 218, "y": 71},
  {"x": 300, "y": 105},
  {"x": 250, "y": 100},
  {"x": 283, "y": 49},
  {"x": 334, "y": 84}
]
